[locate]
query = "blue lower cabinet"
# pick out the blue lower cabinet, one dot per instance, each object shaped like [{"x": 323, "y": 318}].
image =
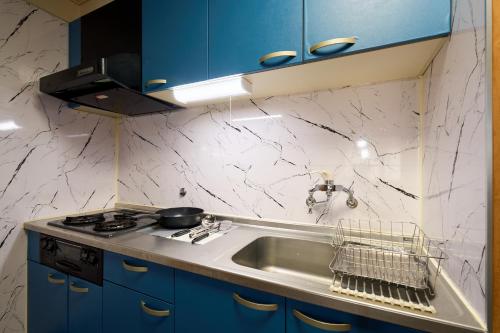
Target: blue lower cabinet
[
  {"x": 207, "y": 305},
  {"x": 33, "y": 246},
  {"x": 308, "y": 318},
  {"x": 47, "y": 299},
  {"x": 85, "y": 307},
  {"x": 144, "y": 276},
  {"x": 128, "y": 311}
]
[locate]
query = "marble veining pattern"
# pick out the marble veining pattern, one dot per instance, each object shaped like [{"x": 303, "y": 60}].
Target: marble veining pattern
[
  {"x": 53, "y": 160},
  {"x": 454, "y": 190},
  {"x": 257, "y": 157}
]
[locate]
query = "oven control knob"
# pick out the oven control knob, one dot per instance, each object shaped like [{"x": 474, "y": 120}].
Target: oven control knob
[
  {"x": 50, "y": 245},
  {"x": 84, "y": 254},
  {"x": 92, "y": 258}
]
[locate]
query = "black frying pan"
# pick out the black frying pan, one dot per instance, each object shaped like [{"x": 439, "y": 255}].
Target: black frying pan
[{"x": 180, "y": 217}]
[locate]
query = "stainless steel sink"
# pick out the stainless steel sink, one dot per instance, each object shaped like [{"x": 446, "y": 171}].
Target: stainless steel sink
[{"x": 294, "y": 257}]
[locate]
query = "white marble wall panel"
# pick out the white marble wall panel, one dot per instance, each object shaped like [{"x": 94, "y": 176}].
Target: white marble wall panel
[
  {"x": 257, "y": 157},
  {"x": 454, "y": 151},
  {"x": 53, "y": 160}
]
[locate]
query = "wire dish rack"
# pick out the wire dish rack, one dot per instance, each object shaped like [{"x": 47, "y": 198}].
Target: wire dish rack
[{"x": 390, "y": 262}]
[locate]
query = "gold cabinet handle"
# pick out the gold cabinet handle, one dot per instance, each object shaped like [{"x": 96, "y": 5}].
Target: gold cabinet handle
[
  {"x": 277, "y": 54},
  {"x": 132, "y": 268},
  {"x": 254, "y": 306},
  {"x": 155, "y": 81},
  {"x": 154, "y": 313},
  {"x": 335, "y": 41},
  {"x": 76, "y": 289},
  {"x": 321, "y": 324},
  {"x": 53, "y": 280}
]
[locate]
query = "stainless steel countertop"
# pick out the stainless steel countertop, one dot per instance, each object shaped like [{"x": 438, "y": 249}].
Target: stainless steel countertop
[{"x": 214, "y": 260}]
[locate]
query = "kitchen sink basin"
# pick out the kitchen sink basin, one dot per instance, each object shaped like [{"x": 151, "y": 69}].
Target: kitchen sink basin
[{"x": 287, "y": 256}]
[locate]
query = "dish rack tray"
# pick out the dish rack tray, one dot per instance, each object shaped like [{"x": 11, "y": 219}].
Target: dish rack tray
[{"x": 392, "y": 262}]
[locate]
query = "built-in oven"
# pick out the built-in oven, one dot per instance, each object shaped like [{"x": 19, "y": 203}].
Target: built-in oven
[{"x": 79, "y": 260}]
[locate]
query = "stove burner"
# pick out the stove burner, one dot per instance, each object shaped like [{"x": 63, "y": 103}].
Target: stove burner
[
  {"x": 114, "y": 225},
  {"x": 84, "y": 219}
]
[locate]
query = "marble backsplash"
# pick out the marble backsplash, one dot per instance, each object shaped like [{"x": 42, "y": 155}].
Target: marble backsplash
[
  {"x": 53, "y": 160},
  {"x": 454, "y": 160},
  {"x": 257, "y": 157}
]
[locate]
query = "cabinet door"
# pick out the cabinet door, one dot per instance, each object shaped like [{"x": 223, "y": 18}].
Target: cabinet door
[
  {"x": 85, "y": 306},
  {"x": 206, "y": 305},
  {"x": 308, "y": 318},
  {"x": 174, "y": 42},
  {"x": 47, "y": 299},
  {"x": 241, "y": 32},
  {"x": 128, "y": 311},
  {"x": 375, "y": 23}
]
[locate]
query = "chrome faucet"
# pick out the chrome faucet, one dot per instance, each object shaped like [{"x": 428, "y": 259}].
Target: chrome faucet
[{"x": 329, "y": 187}]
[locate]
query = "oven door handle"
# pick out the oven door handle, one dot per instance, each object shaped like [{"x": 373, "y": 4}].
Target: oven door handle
[{"x": 68, "y": 265}]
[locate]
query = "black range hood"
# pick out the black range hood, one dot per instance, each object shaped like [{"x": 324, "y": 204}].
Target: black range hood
[{"x": 110, "y": 75}]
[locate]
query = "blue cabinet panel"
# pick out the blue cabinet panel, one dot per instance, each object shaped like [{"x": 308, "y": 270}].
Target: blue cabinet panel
[
  {"x": 127, "y": 311},
  {"x": 85, "y": 306},
  {"x": 174, "y": 42},
  {"x": 206, "y": 305},
  {"x": 376, "y": 23},
  {"x": 358, "y": 324},
  {"x": 241, "y": 32},
  {"x": 47, "y": 300},
  {"x": 75, "y": 43},
  {"x": 33, "y": 246},
  {"x": 146, "y": 277}
]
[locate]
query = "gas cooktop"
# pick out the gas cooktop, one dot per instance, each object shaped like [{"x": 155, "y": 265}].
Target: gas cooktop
[{"x": 107, "y": 224}]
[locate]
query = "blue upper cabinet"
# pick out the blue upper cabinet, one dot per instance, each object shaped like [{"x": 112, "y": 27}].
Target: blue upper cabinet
[
  {"x": 336, "y": 27},
  {"x": 242, "y": 34},
  {"x": 85, "y": 306},
  {"x": 75, "y": 43},
  {"x": 47, "y": 300},
  {"x": 206, "y": 305},
  {"x": 174, "y": 43}
]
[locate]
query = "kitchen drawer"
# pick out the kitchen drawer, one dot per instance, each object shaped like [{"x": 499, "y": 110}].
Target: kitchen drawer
[
  {"x": 224, "y": 307},
  {"x": 146, "y": 277},
  {"x": 128, "y": 311},
  {"x": 307, "y": 318}
]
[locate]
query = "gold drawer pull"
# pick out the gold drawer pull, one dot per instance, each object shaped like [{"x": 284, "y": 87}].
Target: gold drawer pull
[
  {"x": 321, "y": 324},
  {"x": 254, "y": 306},
  {"x": 277, "y": 54},
  {"x": 335, "y": 41},
  {"x": 76, "y": 289},
  {"x": 155, "y": 81},
  {"x": 132, "y": 268},
  {"x": 154, "y": 313},
  {"x": 53, "y": 280}
]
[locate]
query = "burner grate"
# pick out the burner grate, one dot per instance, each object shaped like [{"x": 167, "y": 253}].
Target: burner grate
[
  {"x": 115, "y": 225},
  {"x": 84, "y": 219}
]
